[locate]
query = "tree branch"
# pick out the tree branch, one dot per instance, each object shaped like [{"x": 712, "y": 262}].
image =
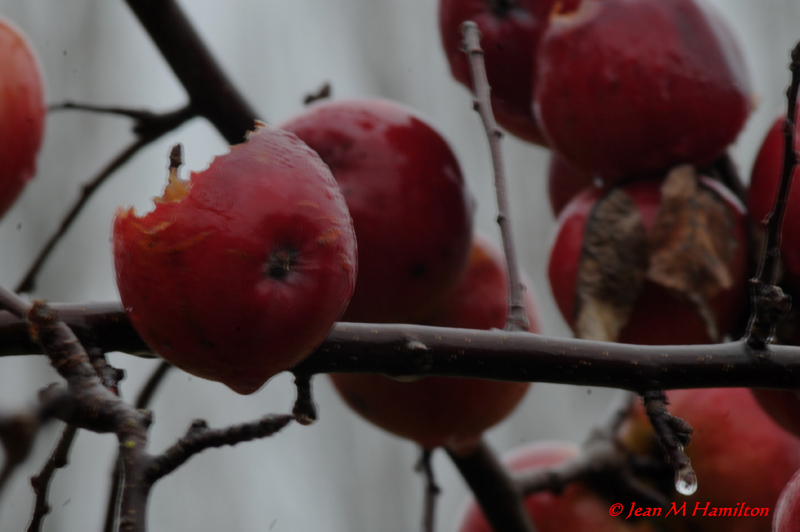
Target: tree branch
[
  {"x": 517, "y": 317},
  {"x": 210, "y": 91},
  {"x": 497, "y": 355}
]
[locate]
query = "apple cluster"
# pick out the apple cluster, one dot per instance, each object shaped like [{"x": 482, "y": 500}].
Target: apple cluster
[
  {"x": 638, "y": 102},
  {"x": 357, "y": 210}
]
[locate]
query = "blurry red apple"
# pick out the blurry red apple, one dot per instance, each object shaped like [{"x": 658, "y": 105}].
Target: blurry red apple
[
  {"x": 410, "y": 207},
  {"x": 741, "y": 457},
  {"x": 577, "y": 508},
  {"x": 510, "y": 33},
  {"x": 633, "y": 87},
  {"x": 436, "y": 411},
  {"x": 22, "y": 113},
  {"x": 787, "y": 511},
  {"x": 652, "y": 262},
  {"x": 564, "y": 182}
]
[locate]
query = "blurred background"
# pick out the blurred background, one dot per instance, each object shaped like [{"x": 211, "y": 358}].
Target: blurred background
[{"x": 340, "y": 474}]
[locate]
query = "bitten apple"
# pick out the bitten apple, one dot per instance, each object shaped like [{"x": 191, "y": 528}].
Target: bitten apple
[
  {"x": 510, "y": 33},
  {"x": 633, "y": 87},
  {"x": 436, "y": 411},
  {"x": 22, "y": 113},
  {"x": 653, "y": 262},
  {"x": 410, "y": 207},
  {"x": 242, "y": 270}
]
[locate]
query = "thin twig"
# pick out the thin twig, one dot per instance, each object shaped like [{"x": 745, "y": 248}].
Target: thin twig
[
  {"x": 41, "y": 482},
  {"x": 425, "y": 466},
  {"x": 517, "y": 317},
  {"x": 769, "y": 303},
  {"x": 305, "y": 410},
  {"x": 199, "y": 437},
  {"x": 158, "y": 126},
  {"x": 673, "y": 435}
]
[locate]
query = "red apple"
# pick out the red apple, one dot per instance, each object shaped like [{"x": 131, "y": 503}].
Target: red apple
[
  {"x": 564, "y": 182},
  {"x": 436, "y": 411},
  {"x": 634, "y": 87},
  {"x": 510, "y": 33},
  {"x": 653, "y": 262},
  {"x": 741, "y": 457},
  {"x": 22, "y": 113},
  {"x": 410, "y": 207},
  {"x": 577, "y": 508},
  {"x": 241, "y": 271},
  {"x": 783, "y": 406},
  {"x": 787, "y": 511}
]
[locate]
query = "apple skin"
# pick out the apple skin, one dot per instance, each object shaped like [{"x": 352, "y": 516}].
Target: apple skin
[
  {"x": 739, "y": 454},
  {"x": 656, "y": 314},
  {"x": 764, "y": 181},
  {"x": 22, "y": 113},
  {"x": 437, "y": 411},
  {"x": 787, "y": 511},
  {"x": 629, "y": 88},
  {"x": 240, "y": 272},
  {"x": 782, "y": 406},
  {"x": 510, "y": 32},
  {"x": 576, "y": 508},
  {"x": 564, "y": 182},
  {"x": 410, "y": 206}
]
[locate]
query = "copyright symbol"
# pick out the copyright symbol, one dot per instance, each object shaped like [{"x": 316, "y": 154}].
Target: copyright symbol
[{"x": 615, "y": 510}]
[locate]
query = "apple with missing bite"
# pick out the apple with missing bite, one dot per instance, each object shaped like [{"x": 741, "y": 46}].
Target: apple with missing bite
[
  {"x": 241, "y": 270},
  {"x": 411, "y": 210},
  {"x": 628, "y": 88},
  {"x": 437, "y": 411}
]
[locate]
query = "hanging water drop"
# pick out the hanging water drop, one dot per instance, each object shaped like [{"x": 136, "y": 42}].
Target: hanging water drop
[{"x": 686, "y": 480}]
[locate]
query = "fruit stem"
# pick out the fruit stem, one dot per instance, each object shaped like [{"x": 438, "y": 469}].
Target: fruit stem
[
  {"x": 517, "y": 317},
  {"x": 769, "y": 303}
]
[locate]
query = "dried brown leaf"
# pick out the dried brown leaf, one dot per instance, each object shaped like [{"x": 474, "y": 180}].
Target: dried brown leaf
[
  {"x": 691, "y": 243},
  {"x": 612, "y": 269}
]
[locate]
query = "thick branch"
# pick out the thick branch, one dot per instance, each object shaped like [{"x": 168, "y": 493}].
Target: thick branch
[
  {"x": 211, "y": 93},
  {"x": 497, "y": 494},
  {"x": 498, "y": 355}
]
